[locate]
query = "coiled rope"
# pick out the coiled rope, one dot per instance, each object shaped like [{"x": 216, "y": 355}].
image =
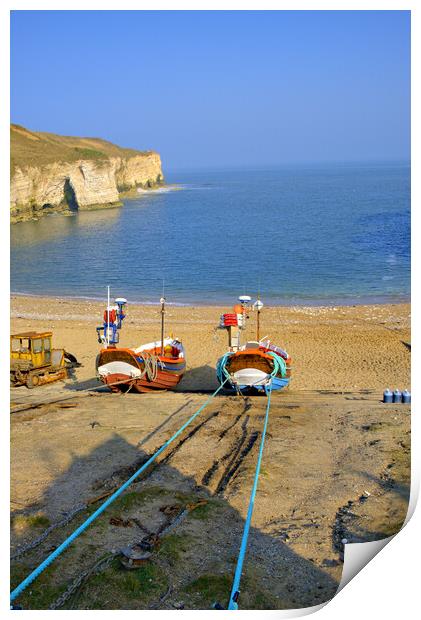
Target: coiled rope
[
  {"x": 235, "y": 591},
  {"x": 48, "y": 560},
  {"x": 150, "y": 366},
  {"x": 279, "y": 365}
]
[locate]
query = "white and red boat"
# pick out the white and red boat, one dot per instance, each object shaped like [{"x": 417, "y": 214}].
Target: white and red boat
[{"x": 153, "y": 366}]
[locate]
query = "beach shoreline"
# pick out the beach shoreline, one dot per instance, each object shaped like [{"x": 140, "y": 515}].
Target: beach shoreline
[{"x": 287, "y": 303}]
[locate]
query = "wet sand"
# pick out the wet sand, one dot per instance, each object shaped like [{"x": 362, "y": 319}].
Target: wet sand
[{"x": 336, "y": 461}]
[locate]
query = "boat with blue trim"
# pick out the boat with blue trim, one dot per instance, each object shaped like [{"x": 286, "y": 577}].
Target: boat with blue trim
[{"x": 255, "y": 365}]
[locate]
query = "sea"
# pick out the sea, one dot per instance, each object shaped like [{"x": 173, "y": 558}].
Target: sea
[{"x": 298, "y": 235}]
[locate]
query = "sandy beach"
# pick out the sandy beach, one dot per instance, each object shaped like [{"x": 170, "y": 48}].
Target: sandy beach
[
  {"x": 336, "y": 463},
  {"x": 339, "y": 348}
]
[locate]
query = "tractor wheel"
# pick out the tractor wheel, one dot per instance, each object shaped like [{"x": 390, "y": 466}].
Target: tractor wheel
[{"x": 32, "y": 381}]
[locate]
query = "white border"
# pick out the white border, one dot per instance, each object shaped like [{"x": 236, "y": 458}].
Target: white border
[{"x": 388, "y": 585}]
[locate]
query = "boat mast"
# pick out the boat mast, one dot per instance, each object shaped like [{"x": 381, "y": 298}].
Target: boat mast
[
  {"x": 108, "y": 316},
  {"x": 258, "y": 319},
  {"x": 162, "y": 300},
  {"x": 258, "y": 305}
]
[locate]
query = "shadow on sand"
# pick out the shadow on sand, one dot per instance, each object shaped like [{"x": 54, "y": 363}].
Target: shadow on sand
[
  {"x": 202, "y": 379},
  {"x": 195, "y": 561}
]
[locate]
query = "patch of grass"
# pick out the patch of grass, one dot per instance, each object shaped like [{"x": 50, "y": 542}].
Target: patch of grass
[
  {"x": 41, "y": 593},
  {"x": 202, "y": 512},
  {"x": 144, "y": 580},
  {"x": 173, "y": 546},
  {"x": 24, "y": 522},
  {"x": 252, "y": 595},
  {"x": 191, "y": 498},
  {"x": 186, "y": 498},
  {"x": 18, "y": 572},
  {"x": 117, "y": 587},
  {"x": 262, "y": 600},
  {"x": 89, "y": 153},
  {"x": 137, "y": 498},
  {"x": 210, "y": 588},
  {"x": 39, "y": 521}
]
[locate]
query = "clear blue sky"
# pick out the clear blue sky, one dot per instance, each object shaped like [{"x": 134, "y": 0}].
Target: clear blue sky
[{"x": 240, "y": 88}]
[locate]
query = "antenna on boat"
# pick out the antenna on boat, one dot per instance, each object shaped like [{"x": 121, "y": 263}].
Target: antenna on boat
[
  {"x": 108, "y": 316},
  {"x": 258, "y": 305},
  {"x": 112, "y": 321},
  {"x": 242, "y": 315},
  {"x": 162, "y": 300}
]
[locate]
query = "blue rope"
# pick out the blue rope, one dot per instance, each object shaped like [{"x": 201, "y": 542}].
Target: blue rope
[
  {"x": 221, "y": 371},
  {"x": 35, "y": 573},
  {"x": 233, "y": 604},
  {"x": 279, "y": 365}
]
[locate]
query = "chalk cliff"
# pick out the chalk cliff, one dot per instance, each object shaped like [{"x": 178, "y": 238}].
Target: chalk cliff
[{"x": 62, "y": 173}]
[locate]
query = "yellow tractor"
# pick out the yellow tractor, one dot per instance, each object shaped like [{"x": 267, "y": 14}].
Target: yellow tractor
[{"x": 34, "y": 362}]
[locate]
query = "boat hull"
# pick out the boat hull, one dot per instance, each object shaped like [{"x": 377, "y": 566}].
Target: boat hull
[
  {"x": 251, "y": 370},
  {"x": 120, "y": 382},
  {"x": 141, "y": 370}
]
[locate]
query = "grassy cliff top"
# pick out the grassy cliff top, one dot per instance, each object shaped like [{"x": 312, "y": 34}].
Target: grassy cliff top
[{"x": 35, "y": 148}]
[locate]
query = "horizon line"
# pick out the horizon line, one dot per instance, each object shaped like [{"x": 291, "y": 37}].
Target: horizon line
[{"x": 274, "y": 165}]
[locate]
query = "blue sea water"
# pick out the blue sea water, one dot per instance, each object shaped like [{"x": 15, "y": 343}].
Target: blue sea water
[{"x": 304, "y": 235}]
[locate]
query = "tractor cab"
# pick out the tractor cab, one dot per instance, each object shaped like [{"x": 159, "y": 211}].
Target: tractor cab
[{"x": 31, "y": 349}]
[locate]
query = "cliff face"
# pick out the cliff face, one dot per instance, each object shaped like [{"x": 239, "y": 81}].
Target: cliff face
[{"x": 58, "y": 173}]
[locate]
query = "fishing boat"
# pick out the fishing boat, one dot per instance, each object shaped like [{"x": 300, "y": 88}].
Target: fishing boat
[
  {"x": 256, "y": 365},
  {"x": 153, "y": 366}
]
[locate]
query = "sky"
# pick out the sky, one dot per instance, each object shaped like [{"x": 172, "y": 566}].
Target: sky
[{"x": 219, "y": 88}]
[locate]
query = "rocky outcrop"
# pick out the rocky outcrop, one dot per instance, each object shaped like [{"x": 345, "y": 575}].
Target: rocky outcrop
[{"x": 81, "y": 184}]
